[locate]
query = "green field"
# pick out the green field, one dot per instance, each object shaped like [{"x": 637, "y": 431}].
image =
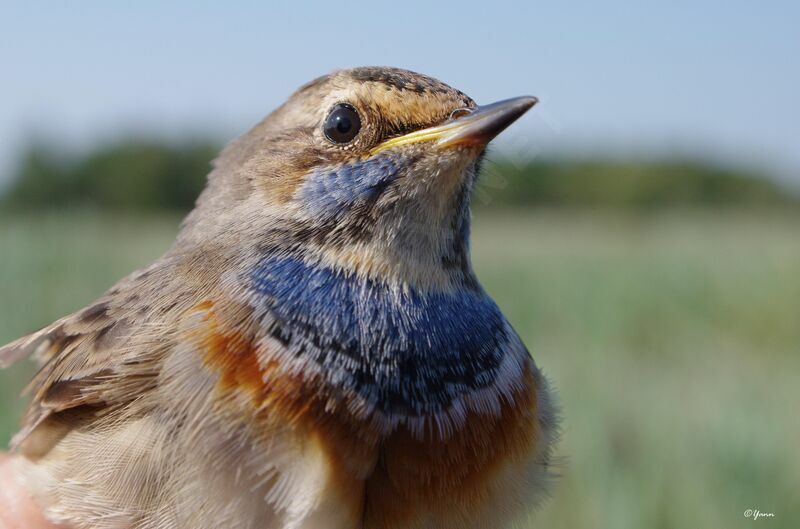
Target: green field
[{"x": 673, "y": 340}]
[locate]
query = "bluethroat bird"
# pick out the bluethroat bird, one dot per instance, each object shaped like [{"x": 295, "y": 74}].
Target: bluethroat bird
[{"x": 314, "y": 351}]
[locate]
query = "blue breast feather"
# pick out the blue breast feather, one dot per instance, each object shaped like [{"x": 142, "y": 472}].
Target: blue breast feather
[{"x": 403, "y": 352}]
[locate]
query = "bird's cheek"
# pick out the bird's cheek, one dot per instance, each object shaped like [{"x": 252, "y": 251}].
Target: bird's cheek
[{"x": 331, "y": 191}]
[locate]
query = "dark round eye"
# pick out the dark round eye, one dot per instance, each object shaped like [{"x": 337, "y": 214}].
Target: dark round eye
[{"x": 342, "y": 124}]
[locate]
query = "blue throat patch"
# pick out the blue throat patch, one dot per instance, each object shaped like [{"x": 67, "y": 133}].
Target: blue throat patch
[{"x": 407, "y": 353}]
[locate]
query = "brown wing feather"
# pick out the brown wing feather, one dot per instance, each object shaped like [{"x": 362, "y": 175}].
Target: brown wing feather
[
  {"x": 94, "y": 359},
  {"x": 22, "y": 347}
]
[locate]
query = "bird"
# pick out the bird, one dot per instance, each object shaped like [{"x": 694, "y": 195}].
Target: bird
[{"x": 314, "y": 350}]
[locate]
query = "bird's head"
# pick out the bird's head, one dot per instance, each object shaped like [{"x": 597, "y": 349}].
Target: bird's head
[{"x": 369, "y": 170}]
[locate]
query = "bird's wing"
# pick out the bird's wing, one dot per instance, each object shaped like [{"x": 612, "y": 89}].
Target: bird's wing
[
  {"x": 91, "y": 359},
  {"x": 21, "y": 348},
  {"x": 42, "y": 344}
]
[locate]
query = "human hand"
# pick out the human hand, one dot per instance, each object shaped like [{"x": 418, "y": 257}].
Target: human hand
[{"x": 17, "y": 509}]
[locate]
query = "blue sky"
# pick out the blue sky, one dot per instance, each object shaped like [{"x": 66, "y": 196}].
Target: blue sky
[{"x": 715, "y": 79}]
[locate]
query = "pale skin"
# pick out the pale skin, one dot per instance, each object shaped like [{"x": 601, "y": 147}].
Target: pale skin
[{"x": 17, "y": 509}]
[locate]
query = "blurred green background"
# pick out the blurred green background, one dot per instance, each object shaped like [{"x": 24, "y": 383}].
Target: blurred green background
[{"x": 661, "y": 297}]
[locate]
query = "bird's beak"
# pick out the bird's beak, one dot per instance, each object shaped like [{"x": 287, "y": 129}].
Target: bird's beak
[{"x": 475, "y": 127}]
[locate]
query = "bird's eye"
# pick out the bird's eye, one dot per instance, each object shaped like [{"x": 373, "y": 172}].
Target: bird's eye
[{"x": 342, "y": 124}]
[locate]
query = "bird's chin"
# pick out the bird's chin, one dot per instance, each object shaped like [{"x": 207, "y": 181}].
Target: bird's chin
[
  {"x": 448, "y": 181},
  {"x": 443, "y": 171}
]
